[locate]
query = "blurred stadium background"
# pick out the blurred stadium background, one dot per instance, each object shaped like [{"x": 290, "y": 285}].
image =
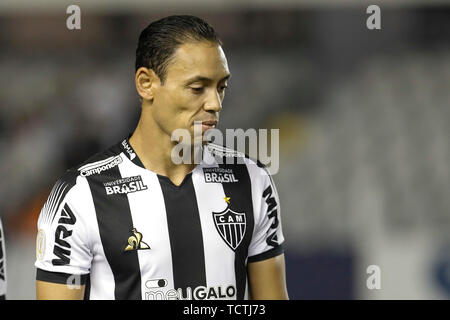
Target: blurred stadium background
[{"x": 363, "y": 115}]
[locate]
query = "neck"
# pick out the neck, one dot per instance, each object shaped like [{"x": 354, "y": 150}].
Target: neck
[{"x": 154, "y": 148}]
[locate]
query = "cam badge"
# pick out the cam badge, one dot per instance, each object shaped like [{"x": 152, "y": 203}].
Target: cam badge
[{"x": 231, "y": 226}]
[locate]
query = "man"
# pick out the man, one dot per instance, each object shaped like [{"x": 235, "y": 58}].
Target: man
[
  {"x": 2, "y": 264},
  {"x": 130, "y": 223}
]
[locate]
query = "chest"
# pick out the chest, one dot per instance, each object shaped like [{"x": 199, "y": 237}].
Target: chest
[{"x": 148, "y": 225}]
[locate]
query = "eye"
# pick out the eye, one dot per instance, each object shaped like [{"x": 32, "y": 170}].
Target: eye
[
  {"x": 197, "y": 90},
  {"x": 222, "y": 88}
]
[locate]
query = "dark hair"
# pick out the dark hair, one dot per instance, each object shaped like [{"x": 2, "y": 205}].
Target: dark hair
[{"x": 160, "y": 39}]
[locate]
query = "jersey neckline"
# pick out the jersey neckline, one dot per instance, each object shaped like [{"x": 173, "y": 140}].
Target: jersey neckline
[{"x": 131, "y": 154}]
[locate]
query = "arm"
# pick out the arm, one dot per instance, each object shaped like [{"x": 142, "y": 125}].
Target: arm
[
  {"x": 267, "y": 279},
  {"x": 56, "y": 291},
  {"x": 63, "y": 256},
  {"x": 265, "y": 265}
]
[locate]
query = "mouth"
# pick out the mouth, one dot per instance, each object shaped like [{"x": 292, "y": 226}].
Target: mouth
[{"x": 206, "y": 125}]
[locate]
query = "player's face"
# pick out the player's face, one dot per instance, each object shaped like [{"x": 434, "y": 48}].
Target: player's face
[{"x": 194, "y": 88}]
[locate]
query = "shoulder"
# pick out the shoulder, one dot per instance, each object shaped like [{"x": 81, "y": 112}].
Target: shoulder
[
  {"x": 100, "y": 162},
  {"x": 95, "y": 164},
  {"x": 70, "y": 185}
]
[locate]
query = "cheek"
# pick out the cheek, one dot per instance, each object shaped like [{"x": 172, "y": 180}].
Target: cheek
[
  {"x": 163, "y": 111},
  {"x": 174, "y": 100},
  {"x": 174, "y": 110}
]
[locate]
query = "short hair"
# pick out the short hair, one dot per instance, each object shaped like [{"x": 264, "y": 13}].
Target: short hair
[{"x": 160, "y": 39}]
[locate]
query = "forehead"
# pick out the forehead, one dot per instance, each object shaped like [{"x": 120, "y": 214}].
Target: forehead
[{"x": 198, "y": 59}]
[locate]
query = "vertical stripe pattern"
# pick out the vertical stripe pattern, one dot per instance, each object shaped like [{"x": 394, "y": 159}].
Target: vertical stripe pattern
[
  {"x": 186, "y": 241},
  {"x": 115, "y": 223},
  {"x": 150, "y": 219},
  {"x": 241, "y": 201},
  {"x": 219, "y": 258}
]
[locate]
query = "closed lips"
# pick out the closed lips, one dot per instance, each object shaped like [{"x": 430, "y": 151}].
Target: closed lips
[{"x": 209, "y": 123}]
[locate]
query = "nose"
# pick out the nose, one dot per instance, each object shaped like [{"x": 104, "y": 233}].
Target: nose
[{"x": 213, "y": 102}]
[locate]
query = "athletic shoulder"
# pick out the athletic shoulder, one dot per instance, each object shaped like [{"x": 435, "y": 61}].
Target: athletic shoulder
[
  {"x": 90, "y": 165},
  {"x": 66, "y": 186},
  {"x": 100, "y": 161}
]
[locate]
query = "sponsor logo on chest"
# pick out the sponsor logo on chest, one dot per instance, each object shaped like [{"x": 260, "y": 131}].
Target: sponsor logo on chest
[
  {"x": 135, "y": 241},
  {"x": 156, "y": 290},
  {"x": 125, "y": 185},
  {"x": 219, "y": 175},
  {"x": 100, "y": 166}
]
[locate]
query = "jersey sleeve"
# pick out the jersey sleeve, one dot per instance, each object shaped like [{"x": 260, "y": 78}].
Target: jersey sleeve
[
  {"x": 2, "y": 264},
  {"x": 62, "y": 244},
  {"x": 267, "y": 241}
]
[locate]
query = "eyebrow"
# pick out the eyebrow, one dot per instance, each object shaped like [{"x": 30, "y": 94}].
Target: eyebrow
[{"x": 204, "y": 79}]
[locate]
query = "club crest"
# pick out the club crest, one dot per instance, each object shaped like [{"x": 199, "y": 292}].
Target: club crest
[{"x": 231, "y": 226}]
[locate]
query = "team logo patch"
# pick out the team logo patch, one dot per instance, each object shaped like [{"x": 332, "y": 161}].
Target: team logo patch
[
  {"x": 231, "y": 226},
  {"x": 124, "y": 185},
  {"x": 135, "y": 242},
  {"x": 219, "y": 175}
]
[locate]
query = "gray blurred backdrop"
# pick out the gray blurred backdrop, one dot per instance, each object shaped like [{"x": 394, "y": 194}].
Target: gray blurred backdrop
[{"x": 363, "y": 116}]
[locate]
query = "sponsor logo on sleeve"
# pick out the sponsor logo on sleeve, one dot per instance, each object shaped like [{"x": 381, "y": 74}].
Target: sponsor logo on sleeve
[
  {"x": 272, "y": 213},
  {"x": 62, "y": 246},
  {"x": 219, "y": 175},
  {"x": 125, "y": 185}
]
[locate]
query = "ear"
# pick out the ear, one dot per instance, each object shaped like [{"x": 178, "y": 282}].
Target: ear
[{"x": 146, "y": 80}]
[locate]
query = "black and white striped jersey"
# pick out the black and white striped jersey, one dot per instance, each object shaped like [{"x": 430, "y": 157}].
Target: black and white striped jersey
[
  {"x": 129, "y": 233},
  {"x": 2, "y": 264}
]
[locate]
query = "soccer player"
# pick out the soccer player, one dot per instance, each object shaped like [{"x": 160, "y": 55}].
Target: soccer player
[
  {"x": 130, "y": 223},
  {"x": 2, "y": 264}
]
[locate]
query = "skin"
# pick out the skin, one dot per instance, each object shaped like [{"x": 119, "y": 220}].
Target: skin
[
  {"x": 267, "y": 279},
  {"x": 177, "y": 103},
  {"x": 56, "y": 291}
]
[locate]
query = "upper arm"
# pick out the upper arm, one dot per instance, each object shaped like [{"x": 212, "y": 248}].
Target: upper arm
[
  {"x": 57, "y": 291},
  {"x": 267, "y": 239},
  {"x": 63, "y": 254},
  {"x": 267, "y": 279},
  {"x": 266, "y": 270}
]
